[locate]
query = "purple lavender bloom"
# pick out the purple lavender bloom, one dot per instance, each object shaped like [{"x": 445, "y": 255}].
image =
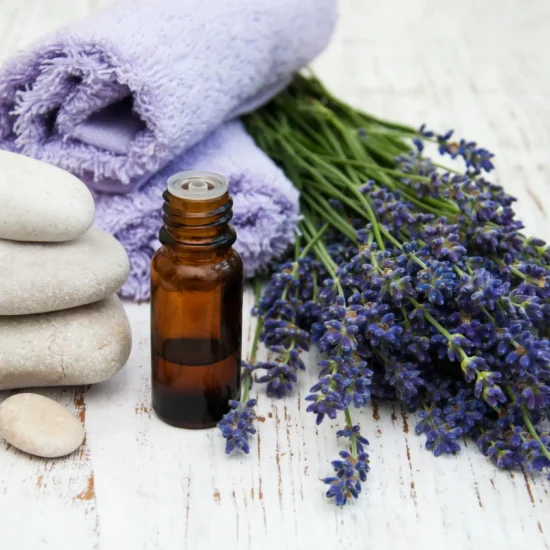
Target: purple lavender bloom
[
  {"x": 280, "y": 378},
  {"x": 483, "y": 289},
  {"x": 237, "y": 425},
  {"x": 437, "y": 282},
  {"x": 325, "y": 404},
  {"x": 429, "y": 419},
  {"x": 533, "y": 392},
  {"x": 471, "y": 367},
  {"x": 444, "y": 240},
  {"x": 442, "y": 439},
  {"x": 465, "y": 411},
  {"x": 359, "y": 391},
  {"x": 451, "y": 314},
  {"x": 476, "y": 158},
  {"x": 343, "y": 488},
  {"x": 350, "y": 472},
  {"x": 529, "y": 353},
  {"x": 406, "y": 379},
  {"x": 384, "y": 332},
  {"x": 494, "y": 395},
  {"x": 354, "y": 432}
]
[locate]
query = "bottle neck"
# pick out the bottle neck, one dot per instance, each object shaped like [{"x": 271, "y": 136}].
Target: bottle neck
[{"x": 200, "y": 226}]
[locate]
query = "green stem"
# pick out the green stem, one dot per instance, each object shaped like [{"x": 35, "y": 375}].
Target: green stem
[
  {"x": 314, "y": 83},
  {"x": 430, "y": 318},
  {"x": 255, "y": 341},
  {"x": 246, "y": 389},
  {"x": 323, "y": 255},
  {"x": 439, "y": 327},
  {"x": 372, "y": 217},
  {"x": 317, "y": 202},
  {"x": 362, "y": 164},
  {"x": 489, "y": 316},
  {"x": 533, "y": 432},
  {"x": 447, "y": 169},
  {"x": 515, "y": 271},
  {"x": 349, "y": 423},
  {"x": 298, "y": 254},
  {"x": 329, "y": 169},
  {"x": 529, "y": 423},
  {"x": 521, "y": 275},
  {"x": 259, "y": 324},
  {"x": 317, "y": 236}
]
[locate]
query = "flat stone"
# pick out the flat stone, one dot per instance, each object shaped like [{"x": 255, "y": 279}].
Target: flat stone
[
  {"x": 39, "y": 426},
  {"x": 40, "y": 202},
  {"x": 83, "y": 345},
  {"x": 41, "y": 277}
]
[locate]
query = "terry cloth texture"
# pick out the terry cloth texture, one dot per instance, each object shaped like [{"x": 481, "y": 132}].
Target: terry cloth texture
[
  {"x": 116, "y": 96},
  {"x": 265, "y": 205}
]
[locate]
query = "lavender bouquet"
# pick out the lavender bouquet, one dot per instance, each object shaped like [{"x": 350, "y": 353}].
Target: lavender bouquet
[{"x": 413, "y": 279}]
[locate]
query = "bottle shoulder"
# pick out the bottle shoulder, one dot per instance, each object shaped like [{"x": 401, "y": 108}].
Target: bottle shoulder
[{"x": 170, "y": 264}]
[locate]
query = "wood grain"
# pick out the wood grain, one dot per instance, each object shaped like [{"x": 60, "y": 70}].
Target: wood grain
[{"x": 477, "y": 66}]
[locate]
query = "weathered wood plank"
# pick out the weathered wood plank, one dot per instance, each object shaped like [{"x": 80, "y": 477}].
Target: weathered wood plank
[{"x": 138, "y": 483}]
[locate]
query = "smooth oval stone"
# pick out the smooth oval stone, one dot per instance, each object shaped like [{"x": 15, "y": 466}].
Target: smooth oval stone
[
  {"x": 40, "y": 202},
  {"x": 76, "y": 346},
  {"x": 39, "y": 426},
  {"x": 40, "y": 277}
]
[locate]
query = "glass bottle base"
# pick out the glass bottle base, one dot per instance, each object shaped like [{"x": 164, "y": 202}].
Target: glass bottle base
[{"x": 186, "y": 425}]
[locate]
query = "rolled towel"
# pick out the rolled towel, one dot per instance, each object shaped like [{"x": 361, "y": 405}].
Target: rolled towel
[
  {"x": 265, "y": 205},
  {"x": 116, "y": 96}
]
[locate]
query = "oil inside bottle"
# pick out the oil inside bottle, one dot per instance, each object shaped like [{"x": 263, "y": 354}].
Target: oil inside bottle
[{"x": 193, "y": 381}]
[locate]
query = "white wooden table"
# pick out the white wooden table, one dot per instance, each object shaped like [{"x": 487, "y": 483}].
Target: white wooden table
[{"x": 481, "y": 67}]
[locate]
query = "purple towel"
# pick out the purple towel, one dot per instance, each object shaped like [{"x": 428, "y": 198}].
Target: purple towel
[
  {"x": 265, "y": 205},
  {"x": 116, "y": 96}
]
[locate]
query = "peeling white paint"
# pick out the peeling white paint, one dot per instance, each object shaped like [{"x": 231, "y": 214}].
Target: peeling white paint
[{"x": 138, "y": 483}]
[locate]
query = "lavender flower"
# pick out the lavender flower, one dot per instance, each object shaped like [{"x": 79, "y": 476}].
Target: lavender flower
[
  {"x": 476, "y": 158},
  {"x": 350, "y": 472},
  {"x": 237, "y": 425},
  {"x": 287, "y": 306},
  {"x": 439, "y": 301}
]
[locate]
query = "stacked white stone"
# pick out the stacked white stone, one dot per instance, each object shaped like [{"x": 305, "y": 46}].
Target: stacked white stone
[{"x": 61, "y": 322}]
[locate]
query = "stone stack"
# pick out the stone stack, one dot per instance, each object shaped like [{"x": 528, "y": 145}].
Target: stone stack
[{"x": 61, "y": 322}]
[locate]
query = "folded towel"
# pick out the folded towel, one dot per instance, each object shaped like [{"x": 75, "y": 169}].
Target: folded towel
[
  {"x": 116, "y": 96},
  {"x": 265, "y": 205}
]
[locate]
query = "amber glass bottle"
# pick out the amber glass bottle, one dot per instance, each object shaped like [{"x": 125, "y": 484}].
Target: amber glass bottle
[{"x": 196, "y": 303}]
